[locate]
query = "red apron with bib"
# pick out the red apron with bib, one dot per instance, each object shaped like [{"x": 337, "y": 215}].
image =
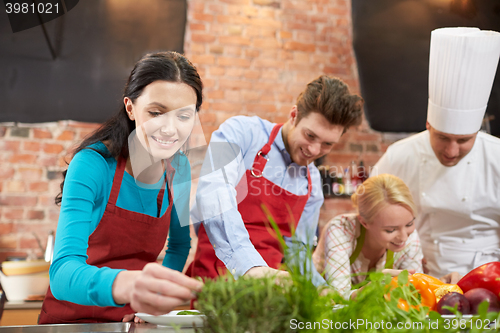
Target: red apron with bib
[
  {"x": 285, "y": 207},
  {"x": 122, "y": 240}
]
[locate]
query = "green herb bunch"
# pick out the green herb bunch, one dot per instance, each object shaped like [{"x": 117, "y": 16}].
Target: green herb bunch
[{"x": 265, "y": 305}]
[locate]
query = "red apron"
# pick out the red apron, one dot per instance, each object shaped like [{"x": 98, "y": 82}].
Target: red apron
[
  {"x": 285, "y": 207},
  {"x": 123, "y": 239}
]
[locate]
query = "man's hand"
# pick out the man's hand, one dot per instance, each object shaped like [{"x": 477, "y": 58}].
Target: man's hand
[
  {"x": 155, "y": 290},
  {"x": 262, "y": 271},
  {"x": 451, "y": 278}
]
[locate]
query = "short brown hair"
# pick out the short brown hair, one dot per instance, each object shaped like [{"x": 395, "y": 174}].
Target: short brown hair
[{"x": 330, "y": 97}]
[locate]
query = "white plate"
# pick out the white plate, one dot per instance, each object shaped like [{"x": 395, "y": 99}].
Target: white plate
[
  {"x": 451, "y": 316},
  {"x": 173, "y": 319}
]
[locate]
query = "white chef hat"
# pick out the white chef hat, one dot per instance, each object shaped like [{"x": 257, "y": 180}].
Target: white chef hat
[{"x": 462, "y": 67}]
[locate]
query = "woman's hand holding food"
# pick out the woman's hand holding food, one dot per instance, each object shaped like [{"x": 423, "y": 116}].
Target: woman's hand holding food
[
  {"x": 155, "y": 290},
  {"x": 451, "y": 278}
]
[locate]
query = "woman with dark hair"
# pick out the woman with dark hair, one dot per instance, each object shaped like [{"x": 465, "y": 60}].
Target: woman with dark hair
[{"x": 126, "y": 189}]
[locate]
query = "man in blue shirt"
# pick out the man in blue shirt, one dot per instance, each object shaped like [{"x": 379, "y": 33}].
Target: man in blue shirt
[{"x": 255, "y": 169}]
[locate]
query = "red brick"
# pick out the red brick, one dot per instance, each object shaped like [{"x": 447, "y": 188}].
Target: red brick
[
  {"x": 202, "y": 17},
  {"x": 52, "y": 148},
  {"x": 266, "y": 23},
  {"x": 205, "y": 59},
  {"x": 236, "y": 2},
  {"x": 38, "y": 186},
  {"x": 17, "y": 200},
  {"x": 47, "y": 200},
  {"x": 31, "y": 145},
  {"x": 6, "y": 172},
  {"x": 6, "y": 228},
  {"x": 202, "y": 38},
  {"x": 66, "y": 136},
  {"x": 252, "y": 74},
  {"x": 338, "y": 11},
  {"x": 372, "y": 137},
  {"x": 228, "y": 107},
  {"x": 36, "y": 215},
  {"x": 216, "y": 8},
  {"x": 268, "y": 63},
  {"x": 79, "y": 124},
  {"x": 214, "y": 94},
  {"x": 41, "y": 134},
  {"x": 83, "y": 134},
  {"x": 196, "y": 6},
  {"x": 341, "y": 159},
  {"x": 234, "y": 30},
  {"x": 234, "y": 40},
  {"x": 233, "y": 19},
  {"x": 30, "y": 173},
  {"x": 22, "y": 158},
  {"x": 8, "y": 242},
  {"x": 285, "y": 34},
  {"x": 234, "y": 71},
  {"x": 250, "y": 11},
  {"x": 47, "y": 161},
  {"x": 251, "y": 95},
  {"x": 16, "y": 186},
  {"x": 197, "y": 48},
  {"x": 301, "y": 26},
  {"x": 54, "y": 216},
  {"x": 207, "y": 117},
  {"x": 13, "y": 213},
  {"x": 252, "y": 53},
  {"x": 233, "y": 50},
  {"x": 306, "y": 47},
  {"x": 265, "y": 43},
  {"x": 233, "y": 96},
  {"x": 235, "y": 84},
  {"x": 217, "y": 49},
  {"x": 197, "y": 27},
  {"x": 261, "y": 108},
  {"x": 10, "y": 145},
  {"x": 28, "y": 242},
  {"x": 319, "y": 18}
]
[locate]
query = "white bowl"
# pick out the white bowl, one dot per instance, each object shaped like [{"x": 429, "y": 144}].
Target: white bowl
[
  {"x": 19, "y": 287},
  {"x": 25, "y": 267}
]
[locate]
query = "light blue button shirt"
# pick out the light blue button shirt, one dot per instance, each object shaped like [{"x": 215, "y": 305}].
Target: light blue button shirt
[{"x": 231, "y": 152}]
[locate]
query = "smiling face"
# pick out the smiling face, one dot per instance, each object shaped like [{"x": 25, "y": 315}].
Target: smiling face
[
  {"x": 164, "y": 116},
  {"x": 449, "y": 148},
  {"x": 310, "y": 138},
  {"x": 390, "y": 228}
]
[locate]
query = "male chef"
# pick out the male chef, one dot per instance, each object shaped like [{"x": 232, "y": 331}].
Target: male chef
[
  {"x": 452, "y": 169},
  {"x": 254, "y": 165}
]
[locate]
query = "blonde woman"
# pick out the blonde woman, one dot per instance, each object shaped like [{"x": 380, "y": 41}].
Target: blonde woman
[{"x": 380, "y": 235}]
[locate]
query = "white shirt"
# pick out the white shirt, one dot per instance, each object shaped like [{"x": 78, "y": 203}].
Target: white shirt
[{"x": 458, "y": 207}]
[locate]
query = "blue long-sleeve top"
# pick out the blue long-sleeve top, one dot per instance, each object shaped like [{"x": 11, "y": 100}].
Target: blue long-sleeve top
[
  {"x": 86, "y": 192},
  {"x": 232, "y": 151}
]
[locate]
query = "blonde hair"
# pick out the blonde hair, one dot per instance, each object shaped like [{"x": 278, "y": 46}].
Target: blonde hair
[{"x": 380, "y": 191}]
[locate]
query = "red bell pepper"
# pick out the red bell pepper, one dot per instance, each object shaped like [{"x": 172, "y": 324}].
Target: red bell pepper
[{"x": 485, "y": 276}]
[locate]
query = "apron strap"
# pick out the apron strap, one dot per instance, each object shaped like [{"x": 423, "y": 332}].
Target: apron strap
[
  {"x": 389, "y": 262},
  {"x": 359, "y": 245},
  {"x": 117, "y": 180},
  {"x": 260, "y": 161}
]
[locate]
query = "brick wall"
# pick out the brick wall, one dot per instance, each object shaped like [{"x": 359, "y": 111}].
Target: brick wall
[{"x": 254, "y": 56}]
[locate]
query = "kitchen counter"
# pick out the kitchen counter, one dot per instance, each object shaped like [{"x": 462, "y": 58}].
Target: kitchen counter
[{"x": 95, "y": 328}]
